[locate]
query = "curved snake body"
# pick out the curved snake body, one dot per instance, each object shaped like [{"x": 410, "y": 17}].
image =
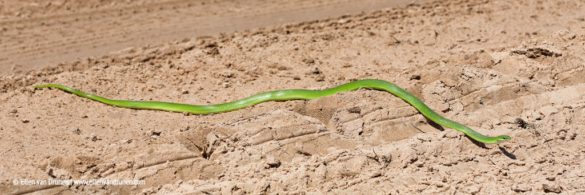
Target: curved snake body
[{"x": 289, "y": 94}]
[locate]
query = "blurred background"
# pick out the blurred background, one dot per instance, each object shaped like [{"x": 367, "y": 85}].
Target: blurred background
[{"x": 37, "y": 33}]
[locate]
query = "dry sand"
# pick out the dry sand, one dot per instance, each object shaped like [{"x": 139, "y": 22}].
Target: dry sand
[
  {"x": 502, "y": 67},
  {"x": 38, "y": 33}
]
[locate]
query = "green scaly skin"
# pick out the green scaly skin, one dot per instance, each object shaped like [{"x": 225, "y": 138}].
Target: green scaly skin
[{"x": 289, "y": 94}]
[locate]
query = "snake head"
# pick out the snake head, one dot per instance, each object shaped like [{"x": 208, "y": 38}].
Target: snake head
[{"x": 502, "y": 138}]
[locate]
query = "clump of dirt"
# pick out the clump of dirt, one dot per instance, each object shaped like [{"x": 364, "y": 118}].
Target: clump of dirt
[{"x": 536, "y": 53}]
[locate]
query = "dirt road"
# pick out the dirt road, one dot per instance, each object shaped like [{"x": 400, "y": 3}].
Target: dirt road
[
  {"x": 34, "y": 34},
  {"x": 501, "y": 67}
]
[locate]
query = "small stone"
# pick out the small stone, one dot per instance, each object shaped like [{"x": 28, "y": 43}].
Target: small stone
[
  {"x": 155, "y": 133},
  {"x": 25, "y": 121},
  {"x": 320, "y": 78},
  {"x": 309, "y": 61},
  {"x": 521, "y": 188},
  {"x": 272, "y": 162},
  {"x": 13, "y": 111},
  {"x": 415, "y": 77},
  {"x": 376, "y": 174},
  {"x": 94, "y": 138},
  {"x": 552, "y": 188},
  {"x": 316, "y": 71},
  {"x": 356, "y": 110}
]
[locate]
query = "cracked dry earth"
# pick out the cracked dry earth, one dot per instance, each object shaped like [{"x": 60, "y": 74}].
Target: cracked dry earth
[{"x": 502, "y": 67}]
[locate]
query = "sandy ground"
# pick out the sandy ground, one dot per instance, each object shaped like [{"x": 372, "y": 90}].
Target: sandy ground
[
  {"x": 502, "y": 67},
  {"x": 39, "y": 33}
]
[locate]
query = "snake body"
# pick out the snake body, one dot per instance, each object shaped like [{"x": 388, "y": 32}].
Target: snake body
[{"x": 289, "y": 94}]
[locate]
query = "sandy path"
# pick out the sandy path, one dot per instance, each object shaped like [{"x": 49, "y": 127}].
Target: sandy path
[
  {"x": 46, "y": 34},
  {"x": 501, "y": 67}
]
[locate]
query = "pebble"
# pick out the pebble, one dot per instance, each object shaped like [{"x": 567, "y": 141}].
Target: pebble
[
  {"x": 155, "y": 134},
  {"x": 316, "y": 71},
  {"x": 93, "y": 137},
  {"x": 521, "y": 188},
  {"x": 415, "y": 77},
  {"x": 356, "y": 110},
  {"x": 552, "y": 188},
  {"x": 320, "y": 78},
  {"x": 272, "y": 162},
  {"x": 376, "y": 174}
]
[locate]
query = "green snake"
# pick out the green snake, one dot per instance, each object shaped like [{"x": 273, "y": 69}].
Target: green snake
[{"x": 289, "y": 94}]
